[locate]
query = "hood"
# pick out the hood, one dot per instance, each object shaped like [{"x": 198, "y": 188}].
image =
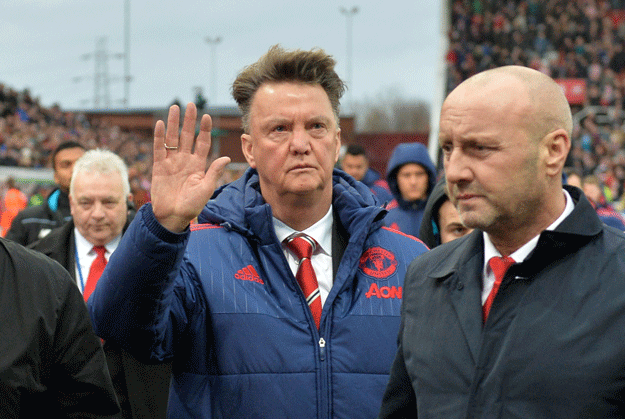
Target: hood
[
  {"x": 240, "y": 206},
  {"x": 429, "y": 231},
  {"x": 409, "y": 153}
]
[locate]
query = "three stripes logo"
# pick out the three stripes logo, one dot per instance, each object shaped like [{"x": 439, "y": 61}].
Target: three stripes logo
[{"x": 249, "y": 274}]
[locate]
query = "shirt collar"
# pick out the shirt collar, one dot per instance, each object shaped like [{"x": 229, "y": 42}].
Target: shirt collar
[
  {"x": 321, "y": 231},
  {"x": 83, "y": 246},
  {"x": 524, "y": 251}
]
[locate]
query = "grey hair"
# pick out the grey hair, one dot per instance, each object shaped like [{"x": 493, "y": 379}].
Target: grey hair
[
  {"x": 103, "y": 162},
  {"x": 313, "y": 67}
]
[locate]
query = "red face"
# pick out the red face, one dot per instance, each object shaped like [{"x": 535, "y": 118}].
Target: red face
[
  {"x": 293, "y": 143},
  {"x": 98, "y": 206}
]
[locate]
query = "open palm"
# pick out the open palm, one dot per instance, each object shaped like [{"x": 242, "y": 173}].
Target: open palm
[{"x": 181, "y": 185}]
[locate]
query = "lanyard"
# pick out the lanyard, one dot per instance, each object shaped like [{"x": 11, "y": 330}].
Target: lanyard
[{"x": 82, "y": 282}]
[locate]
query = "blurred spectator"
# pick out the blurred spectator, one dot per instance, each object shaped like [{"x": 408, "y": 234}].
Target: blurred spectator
[
  {"x": 13, "y": 201},
  {"x": 356, "y": 164},
  {"x": 36, "y": 222},
  {"x": 411, "y": 176},
  {"x": 573, "y": 178},
  {"x": 38, "y": 196},
  {"x": 139, "y": 195},
  {"x": 591, "y": 185},
  {"x": 441, "y": 222}
]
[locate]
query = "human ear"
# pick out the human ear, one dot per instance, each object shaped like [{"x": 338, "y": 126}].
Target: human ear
[
  {"x": 557, "y": 145},
  {"x": 248, "y": 149},
  {"x": 337, "y": 152}
]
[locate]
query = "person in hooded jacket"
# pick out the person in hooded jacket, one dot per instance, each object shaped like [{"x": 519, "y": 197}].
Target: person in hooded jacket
[
  {"x": 411, "y": 176},
  {"x": 224, "y": 298},
  {"x": 441, "y": 221}
]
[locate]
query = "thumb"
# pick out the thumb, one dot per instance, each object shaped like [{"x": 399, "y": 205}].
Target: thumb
[{"x": 215, "y": 170}]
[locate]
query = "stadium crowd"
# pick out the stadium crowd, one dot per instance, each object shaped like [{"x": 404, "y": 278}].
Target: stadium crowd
[
  {"x": 29, "y": 132},
  {"x": 567, "y": 40}
]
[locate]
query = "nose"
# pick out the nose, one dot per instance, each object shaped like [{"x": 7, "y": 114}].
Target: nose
[
  {"x": 300, "y": 141},
  {"x": 457, "y": 169},
  {"x": 98, "y": 210}
]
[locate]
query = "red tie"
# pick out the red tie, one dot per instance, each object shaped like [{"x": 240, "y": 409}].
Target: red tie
[
  {"x": 500, "y": 266},
  {"x": 303, "y": 247},
  {"x": 97, "y": 267}
]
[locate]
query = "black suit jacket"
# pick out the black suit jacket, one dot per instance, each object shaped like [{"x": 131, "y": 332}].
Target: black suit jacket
[
  {"x": 551, "y": 346},
  {"x": 142, "y": 389}
]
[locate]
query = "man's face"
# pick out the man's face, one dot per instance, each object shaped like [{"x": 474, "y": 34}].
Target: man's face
[
  {"x": 355, "y": 166},
  {"x": 593, "y": 192},
  {"x": 412, "y": 181},
  {"x": 450, "y": 225},
  {"x": 574, "y": 180},
  {"x": 495, "y": 176},
  {"x": 98, "y": 206},
  {"x": 64, "y": 164},
  {"x": 293, "y": 142}
]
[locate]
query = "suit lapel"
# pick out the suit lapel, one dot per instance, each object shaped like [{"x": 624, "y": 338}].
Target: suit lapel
[
  {"x": 465, "y": 294},
  {"x": 463, "y": 275}
]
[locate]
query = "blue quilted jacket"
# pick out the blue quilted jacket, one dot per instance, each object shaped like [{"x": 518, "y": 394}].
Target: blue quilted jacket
[{"x": 221, "y": 301}]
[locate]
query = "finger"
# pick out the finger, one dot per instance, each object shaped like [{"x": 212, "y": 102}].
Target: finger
[
  {"x": 188, "y": 128},
  {"x": 203, "y": 142},
  {"x": 215, "y": 170},
  {"x": 173, "y": 121},
  {"x": 159, "y": 141}
]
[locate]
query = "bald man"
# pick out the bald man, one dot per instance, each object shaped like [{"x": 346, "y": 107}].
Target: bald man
[{"x": 542, "y": 339}]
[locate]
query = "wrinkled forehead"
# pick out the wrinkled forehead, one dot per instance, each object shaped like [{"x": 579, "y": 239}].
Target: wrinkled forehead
[
  {"x": 88, "y": 182},
  {"x": 283, "y": 98}
]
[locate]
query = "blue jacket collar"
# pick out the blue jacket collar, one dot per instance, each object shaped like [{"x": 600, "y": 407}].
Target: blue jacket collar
[{"x": 240, "y": 206}]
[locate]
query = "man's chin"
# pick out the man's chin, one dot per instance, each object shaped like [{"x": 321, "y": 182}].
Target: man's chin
[
  {"x": 100, "y": 239},
  {"x": 472, "y": 219},
  {"x": 305, "y": 186}
]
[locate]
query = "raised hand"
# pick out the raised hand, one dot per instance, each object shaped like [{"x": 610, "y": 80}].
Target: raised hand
[{"x": 181, "y": 185}]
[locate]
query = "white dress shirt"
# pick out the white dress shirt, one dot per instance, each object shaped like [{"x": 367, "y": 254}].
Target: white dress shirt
[
  {"x": 85, "y": 256},
  {"x": 488, "y": 277},
  {"x": 321, "y": 260}
]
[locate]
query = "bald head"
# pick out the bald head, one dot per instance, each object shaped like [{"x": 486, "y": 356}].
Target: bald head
[
  {"x": 536, "y": 97},
  {"x": 505, "y": 135}
]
